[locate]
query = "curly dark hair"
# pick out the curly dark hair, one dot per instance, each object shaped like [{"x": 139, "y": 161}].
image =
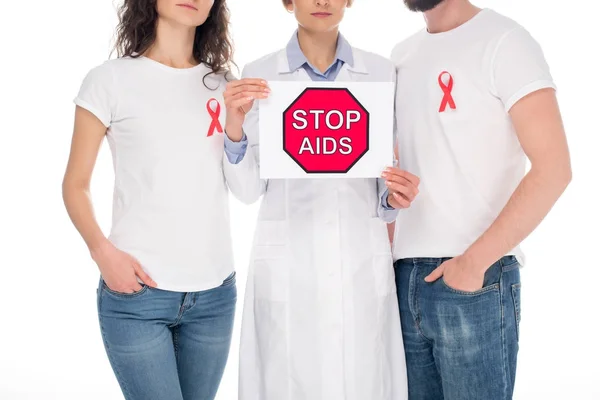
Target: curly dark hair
[{"x": 213, "y": 45}]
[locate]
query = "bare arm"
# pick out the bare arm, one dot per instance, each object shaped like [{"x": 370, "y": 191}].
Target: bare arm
[
  {"x": 539, "y": 126},
  {"x": 118, "y": 269},
  {"x": 88, "y": 134}
]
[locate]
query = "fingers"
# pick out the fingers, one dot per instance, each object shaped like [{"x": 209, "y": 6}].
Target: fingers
[
  {"x": 239, "y": 104},
  {"x": 259, "y": 94},
  {"x": 231, "y": 101},
  {"x": 435, "y": 275},
  {"x": 397, "y": 201},
  {"x": 247, "y": 81},
  {"x": 407, "y": 190},
  {"x": 392, "y": 173},
  {"x": 143, "y": 275},
  {"x": 136, "y": 288},
  {"x": 246, "y": 88},
  {"x": 399, "y": 180}
]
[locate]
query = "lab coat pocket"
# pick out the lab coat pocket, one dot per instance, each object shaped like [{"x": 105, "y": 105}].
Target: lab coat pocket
[
  {"x": 271, "y": 271},
  {"x": 270, "y": 278},
  {"x": 270, "y": 310},
  {"x": 380, "y": 241},
  {"x": 383, "y": 268},
  {"x": 271, "y": 233}
]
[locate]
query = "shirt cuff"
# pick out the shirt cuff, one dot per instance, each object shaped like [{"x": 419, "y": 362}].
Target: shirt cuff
[
  {"x": 384, "y": 201},
  {"x": 235, "y": 151}
]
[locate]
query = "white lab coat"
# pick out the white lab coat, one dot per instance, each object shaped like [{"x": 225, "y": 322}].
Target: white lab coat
[{"x": 320, "y": 318}]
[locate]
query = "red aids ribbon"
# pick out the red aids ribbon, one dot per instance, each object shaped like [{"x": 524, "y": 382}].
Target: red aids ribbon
[
  {"x": 214, "y": 115},
  {"x": 447, "y": 89}
]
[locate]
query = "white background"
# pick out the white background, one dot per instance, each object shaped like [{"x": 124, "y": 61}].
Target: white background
[{"x": 50, "y": 346}]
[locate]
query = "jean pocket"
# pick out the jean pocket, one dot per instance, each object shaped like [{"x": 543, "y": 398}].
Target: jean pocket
[
  {"x": 485, "y": 289},
  {"x": 491, "y": 281},
  {"x": 114, "y": 293},
  {"x": 516, "y": 295}
]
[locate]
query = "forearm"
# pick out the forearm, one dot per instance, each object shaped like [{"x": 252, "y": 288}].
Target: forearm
[
  {"x": 527, "y": 207},
  {"x": 79, "y": 206}
]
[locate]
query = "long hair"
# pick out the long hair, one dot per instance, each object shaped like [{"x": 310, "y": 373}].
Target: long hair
[{"x": 213, "y": 46}]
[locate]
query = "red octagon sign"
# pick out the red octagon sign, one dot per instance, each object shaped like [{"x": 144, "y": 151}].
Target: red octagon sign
[{"x": 326, "y": 130}]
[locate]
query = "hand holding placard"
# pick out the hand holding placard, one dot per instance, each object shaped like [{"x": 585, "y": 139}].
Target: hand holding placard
[
  {"x": 239, "y": 98},
  {"x": 402, "y": 185}
]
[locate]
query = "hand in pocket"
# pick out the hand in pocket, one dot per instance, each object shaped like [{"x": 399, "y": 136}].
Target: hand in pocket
[{"x": 120, "y": 270}]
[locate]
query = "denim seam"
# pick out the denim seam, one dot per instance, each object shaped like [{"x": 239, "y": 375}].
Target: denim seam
[
  {"x": 122, "y": 382},
  {"x": 181, "y": 311},
  {"x": 514, "y": 288},
  {"x": 415, "y": 303},
  {"x": 176, "y": 346},
  {"x": 505, "y": 372},
  {"x": 510, "y": 266}
]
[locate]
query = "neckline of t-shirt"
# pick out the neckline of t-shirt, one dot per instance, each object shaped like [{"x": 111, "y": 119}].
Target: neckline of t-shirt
[
  {"x": 172, "y": 69},
  {"x": 459, "y": 28}
]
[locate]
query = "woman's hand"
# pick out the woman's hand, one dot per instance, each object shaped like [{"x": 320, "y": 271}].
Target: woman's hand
[
  {"x": 120, "y": 270},
  {"x": 239, "y": 98},
  {"x": 402, "y": 185}
]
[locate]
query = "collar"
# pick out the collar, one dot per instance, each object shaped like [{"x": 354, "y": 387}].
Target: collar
[{"x": 297, "y": 59}]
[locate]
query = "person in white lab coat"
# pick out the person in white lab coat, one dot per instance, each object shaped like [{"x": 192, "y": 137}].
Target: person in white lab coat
[{"x": 320, "y": 316}]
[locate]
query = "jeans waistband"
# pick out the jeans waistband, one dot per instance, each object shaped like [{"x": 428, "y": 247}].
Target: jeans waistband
[{"x": 504, "y": 261}]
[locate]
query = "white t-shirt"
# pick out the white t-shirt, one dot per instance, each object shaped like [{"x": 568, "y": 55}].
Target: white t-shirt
[
  {"x": 454, "y": 131},
  {"x": 170, "y": 203}
]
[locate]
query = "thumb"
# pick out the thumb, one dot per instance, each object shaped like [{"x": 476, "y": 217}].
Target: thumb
[
  {"x": 143, "y": 275},
  {"x": 435, "y": 275}
]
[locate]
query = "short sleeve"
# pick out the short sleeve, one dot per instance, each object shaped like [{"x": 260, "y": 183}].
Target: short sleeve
[
  {"x": 519, "y": 68},
  {"x": 96, "y": 93}
]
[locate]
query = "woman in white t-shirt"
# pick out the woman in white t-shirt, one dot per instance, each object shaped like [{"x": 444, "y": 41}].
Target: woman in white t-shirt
[{"x": 167, "y": 295}]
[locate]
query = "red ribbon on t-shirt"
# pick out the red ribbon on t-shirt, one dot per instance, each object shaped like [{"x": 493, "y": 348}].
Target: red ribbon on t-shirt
[
  {"x": 214, "y": 115},
  {"x": 447, "y": 89}
]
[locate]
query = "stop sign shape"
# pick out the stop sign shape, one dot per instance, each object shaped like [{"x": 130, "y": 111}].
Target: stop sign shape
[{"x": 326, "y": 130}]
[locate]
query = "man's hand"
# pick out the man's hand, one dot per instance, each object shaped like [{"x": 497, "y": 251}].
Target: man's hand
[
  {"x": 402, "y": 185},
  {"x": 458, "y": 274}
]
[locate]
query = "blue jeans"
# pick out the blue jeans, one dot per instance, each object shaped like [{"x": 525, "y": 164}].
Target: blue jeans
[
  {"x": 165, "y": 345},
  {"x": 459, "y": 345}
]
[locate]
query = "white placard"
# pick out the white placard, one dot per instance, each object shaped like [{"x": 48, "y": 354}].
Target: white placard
[{"x": 377, "y": 98}]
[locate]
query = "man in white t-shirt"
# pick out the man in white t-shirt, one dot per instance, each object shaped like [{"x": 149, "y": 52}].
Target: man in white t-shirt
[{"x": 475, "y": 99}]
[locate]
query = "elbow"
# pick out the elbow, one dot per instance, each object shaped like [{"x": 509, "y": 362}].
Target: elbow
[
  {"x": 568, "y": 176},
  {"x": 67, "y": 188},
  {"x": 557, "y": 176},
  {"x": 564, "y": 177},
  {"x": 71, "y": 185}
]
